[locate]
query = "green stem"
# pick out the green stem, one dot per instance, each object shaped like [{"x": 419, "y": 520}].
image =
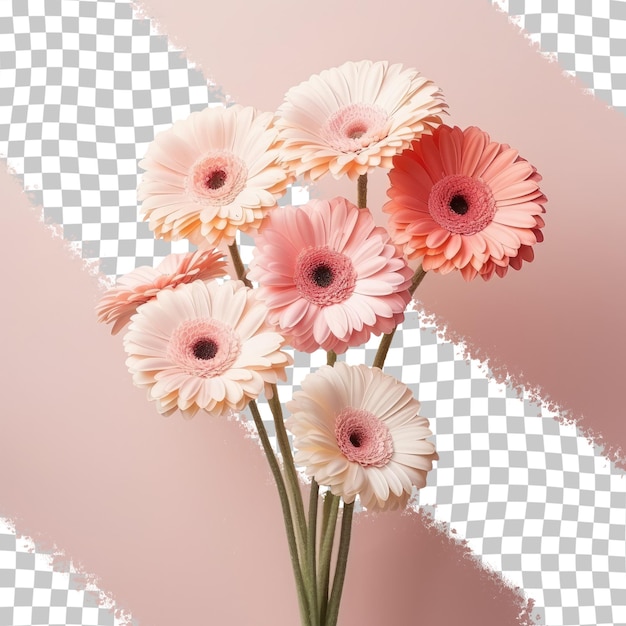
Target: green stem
[
  {"x": 385, "y": 342},
  {"x": 238, "y": 264},
  {"x": 293, "y": 483},
  {"x": 331, "y": 357},
  {"x": 418, "y": 277},
  {"x": 362, "y": 191},
  {"x": 290, "y": 495},
  {"x": 329, "y": 521},
  {"x": 311, "y": 541},
  {"x": 342, "y": 561},
  {"x": 284, "y": 501}
]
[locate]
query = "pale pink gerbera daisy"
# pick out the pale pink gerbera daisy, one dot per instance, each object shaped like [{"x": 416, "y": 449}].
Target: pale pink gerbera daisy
[
  {"x": 357, "y": 431},
  {"x": 463, "y": 202},
  {"x": 352, "y": 118},
  {"x": 329, "y": 276},
  {"x": 213, "y": 173},
  {"x": 204, "y": 345},
  {"x": 119, "y": 303}
]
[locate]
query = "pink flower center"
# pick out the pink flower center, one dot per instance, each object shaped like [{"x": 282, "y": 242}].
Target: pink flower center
[
  {"x": 204, "y": 347},
  {"x": 323, "y": 276},
  {"x": 216, "y": 178},
  {"x": 462, "y": 204},
  {"x": 355, "y": 126},
  {"x": 363, "y": 438}
]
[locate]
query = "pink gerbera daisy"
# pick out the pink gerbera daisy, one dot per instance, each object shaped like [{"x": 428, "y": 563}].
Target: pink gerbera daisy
[
  {"x": 357, "y": 431},
  {"x": 119, "y": 303},
  {"x": 213, "y": 173},
  {"x": 204, "y": 345},
  {"x": 463, "y": 202},
  {"x": 353, "y": 118},
  {"x": 329, "y": 276}
]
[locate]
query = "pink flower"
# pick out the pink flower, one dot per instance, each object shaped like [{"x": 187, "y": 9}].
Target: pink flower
[
  {"x": 204, "y": 346},
  {"x": 463, "y": 202},
  {"x": 211, "y": 174},
  {"x": 329, "y": 276},
  {"x": 357, "y": 431},
  {"x": 353, "y": 118},
  {"x": 119, "y": 304}
]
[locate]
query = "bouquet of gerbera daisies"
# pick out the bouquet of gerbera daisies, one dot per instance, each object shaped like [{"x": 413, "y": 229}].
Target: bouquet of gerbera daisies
[{"x": 323, "y": 276}]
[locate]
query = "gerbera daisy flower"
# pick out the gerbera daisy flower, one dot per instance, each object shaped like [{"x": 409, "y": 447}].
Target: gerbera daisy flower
[
  {"x": 464, "y": 202},
  {"x": 119, "y": 303},
  {"x": 213, "y": 173},
  {"x": 353, "y": 118},
  {"x": 204, "y": 345},
  {"x": 357, "y": 431},
  {"x": 329, "y": 276}
]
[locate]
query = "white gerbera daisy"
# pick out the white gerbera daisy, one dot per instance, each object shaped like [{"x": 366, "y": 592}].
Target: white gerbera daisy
[
  {"x": 204, "y": 346},
  {"x": 213, "y": 173},
  {"x": 353, "y": 118},
  {"x": 357, "y": 431}
]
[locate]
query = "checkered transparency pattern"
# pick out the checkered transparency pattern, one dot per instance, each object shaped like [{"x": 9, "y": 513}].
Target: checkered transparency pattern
[
  {"x": 587, "y": 37},
  {"x": 84, "y": 87},
  {"x": 534, "y": 498},
  {"x": 33, "y": 592}
]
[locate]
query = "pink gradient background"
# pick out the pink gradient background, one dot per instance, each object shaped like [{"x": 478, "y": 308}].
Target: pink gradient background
[{"x": 180, "y": 519}]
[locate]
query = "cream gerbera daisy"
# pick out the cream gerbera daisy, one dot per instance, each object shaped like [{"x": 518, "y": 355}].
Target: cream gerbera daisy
[
  {"x": 353, "y": 118},
  {"x": 211, "y": 174},
  {"x": 357, "y": 430},
  {"x": 204, "y": 346}
]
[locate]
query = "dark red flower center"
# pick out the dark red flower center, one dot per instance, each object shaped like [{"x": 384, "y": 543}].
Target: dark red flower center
[
  {"x": 322, "y": 275},
  {"x": 216, "y": 179},
  {"x": 363, "y": 438},
  {"x": 205, "y": 349},
  {"x": 462, "y": 204},
  {"x": 459, "y": 205}
]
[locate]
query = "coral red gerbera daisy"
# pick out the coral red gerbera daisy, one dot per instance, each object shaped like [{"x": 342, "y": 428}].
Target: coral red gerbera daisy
[
  {"x": 464, "y": 202},
  {"x": 329, "y": 276}
]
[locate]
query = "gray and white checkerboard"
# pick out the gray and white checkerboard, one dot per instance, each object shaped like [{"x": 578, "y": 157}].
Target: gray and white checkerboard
[
  {"x": 586, "y": 37},
  {"x": 533, "y": 498},
  {"x": 32, "y": 591},
  {"x": 85, "y": 85}
]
